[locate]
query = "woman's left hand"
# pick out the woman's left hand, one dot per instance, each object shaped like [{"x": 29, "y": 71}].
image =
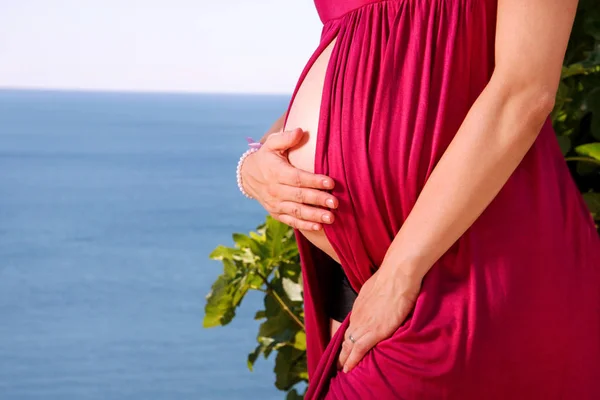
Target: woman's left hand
[{"x": 382, "y": 305}]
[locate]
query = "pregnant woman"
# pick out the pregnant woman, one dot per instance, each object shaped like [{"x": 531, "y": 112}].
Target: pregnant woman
[{"x": 446, "y": 252}]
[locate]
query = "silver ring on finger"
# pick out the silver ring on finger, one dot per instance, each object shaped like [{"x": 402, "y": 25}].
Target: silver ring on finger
[{"x": 351, "y": 338}]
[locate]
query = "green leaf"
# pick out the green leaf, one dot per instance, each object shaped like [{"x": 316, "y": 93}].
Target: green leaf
[
  {"x": 292, "y": 289},
  {"x": 565, "y": 144},
  {"x": 222, "y": 252},
  {"x": 592, "y": 22},
  {"x": 253, "y": 356},
  {"x": 595, "y": 126},
  {"x": 576, "y": 69},
  {"x": 293, "y": 395},
  {"x": 586, "y": 169},
  {"x": 300, "y": 340},
  {"x": 280, "y": 328},
  {"x": 593, "y": 202},
  {"x": 593, "y": 105},
  {"x": 246, "y": 242},
  {"x": 289, "y": 250},
  {"x": 289, "y": 367},
  {"x": 257, "y": 237},
  {"x": 291, "y": 271},
  {"x": 255, "y": 281},
  {"x": 219, "y": 309},
  {"x": 276, "y": 234},
  {"x": 226, "y": 294},
  {"x": 230, "y": 268},
  {"x": 269, "y": 346},
  {"x": 272, "y": 308},
  {"x": 260, "y": 315},
  {"x": 589, "y": 149}
]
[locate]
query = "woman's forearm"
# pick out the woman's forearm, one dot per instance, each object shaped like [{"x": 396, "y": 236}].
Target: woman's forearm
[{"x": 496, "y": 134}]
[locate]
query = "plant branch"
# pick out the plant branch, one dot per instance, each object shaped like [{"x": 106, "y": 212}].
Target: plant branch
[
  {"x": 584, "y": 159},
  {"x": 271, "y": 290}
]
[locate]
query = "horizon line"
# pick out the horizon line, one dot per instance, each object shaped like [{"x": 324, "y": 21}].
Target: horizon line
[{"x": 135, "y": 91}]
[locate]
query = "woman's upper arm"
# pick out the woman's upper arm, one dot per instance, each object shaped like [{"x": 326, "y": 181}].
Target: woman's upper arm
[{"x": 531, "y": 40}]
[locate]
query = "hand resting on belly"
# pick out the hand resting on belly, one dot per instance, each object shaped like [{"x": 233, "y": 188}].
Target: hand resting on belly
[{"x": 287, "y": 188}]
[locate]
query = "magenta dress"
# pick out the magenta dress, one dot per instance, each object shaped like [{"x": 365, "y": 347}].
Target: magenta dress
[{"x": 512, "y": 309}]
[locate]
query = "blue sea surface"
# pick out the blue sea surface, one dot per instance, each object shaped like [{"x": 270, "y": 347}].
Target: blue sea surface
[{"x": 110, "y": 204}]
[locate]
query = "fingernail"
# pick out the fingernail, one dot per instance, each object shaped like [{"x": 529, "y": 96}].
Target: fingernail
[
  {"x": 329, "y": 203},
  {"x": 327, "y": 183},
  {"x": 345, "y": 369},
  {"x": 326, "y": 218},
  {"x": 316, "y": 227}
]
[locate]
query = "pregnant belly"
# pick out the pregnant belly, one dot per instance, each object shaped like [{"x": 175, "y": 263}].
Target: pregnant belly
[{"x": 304, "y": 113}]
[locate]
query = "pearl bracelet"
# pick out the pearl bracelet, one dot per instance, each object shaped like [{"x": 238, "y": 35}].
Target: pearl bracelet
[{"x": 254, "y": 146}]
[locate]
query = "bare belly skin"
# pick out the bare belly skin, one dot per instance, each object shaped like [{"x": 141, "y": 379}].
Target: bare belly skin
[{"x": 304, "y": 113}]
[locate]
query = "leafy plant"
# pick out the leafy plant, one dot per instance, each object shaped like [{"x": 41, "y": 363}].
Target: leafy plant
[
  {"x": 576, "y": 115},
  {"x": 267, "y": 260}
]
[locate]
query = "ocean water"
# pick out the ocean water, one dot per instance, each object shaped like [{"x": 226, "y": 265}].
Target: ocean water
[{"x": 110, "y": 204}]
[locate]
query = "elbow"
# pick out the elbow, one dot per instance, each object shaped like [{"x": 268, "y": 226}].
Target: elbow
[
  {"x": 537, "y": 105},
  {"x": 533, "y": 105},
  {"x": 541, "y": 104},
  {"x": 529, "y": 99}
]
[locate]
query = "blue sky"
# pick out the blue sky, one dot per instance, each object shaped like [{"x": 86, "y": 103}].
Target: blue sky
[{"x": 257, "y": 46}]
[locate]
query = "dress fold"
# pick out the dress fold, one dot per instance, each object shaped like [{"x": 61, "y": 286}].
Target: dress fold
[{"x": 512, "y": 309}]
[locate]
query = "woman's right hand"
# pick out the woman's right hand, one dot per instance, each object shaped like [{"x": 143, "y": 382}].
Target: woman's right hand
[{"x": 289, "y": 194}]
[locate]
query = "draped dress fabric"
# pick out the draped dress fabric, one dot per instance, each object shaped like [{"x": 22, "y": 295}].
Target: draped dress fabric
[{"x": 512, "y": 309}]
